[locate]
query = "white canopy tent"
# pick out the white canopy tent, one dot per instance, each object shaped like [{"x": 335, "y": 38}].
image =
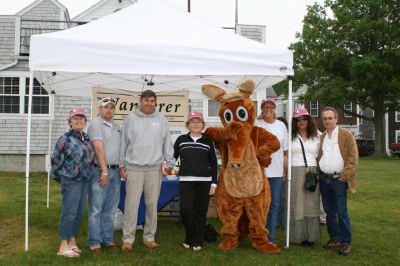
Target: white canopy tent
[{"x": 152, "y": 44}]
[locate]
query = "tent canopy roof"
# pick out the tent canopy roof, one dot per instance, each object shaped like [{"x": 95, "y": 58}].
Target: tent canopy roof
[{"x": 152, "y": 41}]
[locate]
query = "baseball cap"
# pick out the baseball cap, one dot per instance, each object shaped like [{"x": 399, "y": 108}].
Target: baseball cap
[
  {"x": 300, "y": 112},
  {"x": 106, "y": 100},
  {"x": 268, "y": 100},
  {"x": 198, "y": 115},
  {"x": 76, "y": 111}
]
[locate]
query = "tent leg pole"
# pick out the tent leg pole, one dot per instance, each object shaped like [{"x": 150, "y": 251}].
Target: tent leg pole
[
  {"x": 27, "y": 161},
  {"x": 51, "y": 111},
  {"x": 49, "y": 164},
  {"x": 289, "y": 173}
]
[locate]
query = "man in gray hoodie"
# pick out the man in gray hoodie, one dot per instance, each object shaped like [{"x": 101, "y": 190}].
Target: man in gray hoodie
[{"x": 146, "y": 154}]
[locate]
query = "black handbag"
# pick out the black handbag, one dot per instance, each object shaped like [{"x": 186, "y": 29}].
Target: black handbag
[{"x": 311, "y": 178}]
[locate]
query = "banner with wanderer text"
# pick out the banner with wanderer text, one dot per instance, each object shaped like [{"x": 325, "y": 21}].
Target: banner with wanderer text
[{"x": 172, "y": 104}]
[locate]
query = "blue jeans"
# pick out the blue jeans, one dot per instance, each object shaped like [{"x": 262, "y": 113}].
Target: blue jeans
[
  {"x": 73, "y": 194},
  {"x": 281, "y": 219},
  {"x": 334, "y": 200},
  {"x": 275, "y": 184},
  {"x": 103, "y": 202}
]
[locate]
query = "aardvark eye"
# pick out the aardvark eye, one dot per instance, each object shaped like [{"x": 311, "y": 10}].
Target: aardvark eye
[
  {"x": 228, "y": 115},
  {"x": 242, "y": 114}
]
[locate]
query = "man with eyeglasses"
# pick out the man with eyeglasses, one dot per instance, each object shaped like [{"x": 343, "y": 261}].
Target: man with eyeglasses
[
  {"x": 337, "y": 160},
  {"x": 104, "y": 189},
  {"x": 146, "y": 154}
]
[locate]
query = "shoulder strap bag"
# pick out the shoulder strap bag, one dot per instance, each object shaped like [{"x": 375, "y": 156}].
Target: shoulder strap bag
[{"x": 311, "y": 181}]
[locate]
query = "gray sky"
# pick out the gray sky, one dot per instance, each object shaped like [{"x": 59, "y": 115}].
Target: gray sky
[{"x": 282, "y": 18}]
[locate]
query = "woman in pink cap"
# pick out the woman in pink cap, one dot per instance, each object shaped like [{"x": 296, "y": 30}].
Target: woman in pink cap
[
  {"x": 198, "y": 179},
  {"x": 71, "y": 165},
  {"x": 305, "y": 205}
]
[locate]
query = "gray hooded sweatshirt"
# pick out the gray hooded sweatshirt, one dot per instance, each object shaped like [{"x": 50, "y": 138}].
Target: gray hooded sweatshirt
[{"x": 146, "y": 141}]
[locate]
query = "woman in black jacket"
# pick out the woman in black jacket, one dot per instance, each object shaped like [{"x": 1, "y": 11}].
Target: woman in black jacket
[{"x": 198, "y": 178}]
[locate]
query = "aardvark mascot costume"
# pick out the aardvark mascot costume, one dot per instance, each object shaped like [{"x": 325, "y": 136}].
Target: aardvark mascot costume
[{"x": 243, "y": 194}]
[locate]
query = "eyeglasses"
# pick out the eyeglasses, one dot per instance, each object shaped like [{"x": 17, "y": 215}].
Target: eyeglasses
[
  {"x": 301, "y": 118},
  {"x": 106, "y": 100}
]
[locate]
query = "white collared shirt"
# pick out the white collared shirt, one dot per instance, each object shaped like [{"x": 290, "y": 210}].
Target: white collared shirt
[{"x": 331, "y": 161}]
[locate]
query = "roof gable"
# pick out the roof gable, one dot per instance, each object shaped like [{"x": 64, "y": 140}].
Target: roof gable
[
  {"x": 103, "y": 4},
  {"x": 37, "y": 2}
]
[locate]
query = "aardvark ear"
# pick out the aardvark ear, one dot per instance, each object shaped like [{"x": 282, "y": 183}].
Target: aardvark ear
[
  {"x": 246, "y": 88},
  {"x": 214, "y": 92}
]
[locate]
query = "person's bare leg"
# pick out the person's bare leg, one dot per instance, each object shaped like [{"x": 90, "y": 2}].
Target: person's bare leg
[
  {"x": 63, "y": 246},
  {"x": 72, "y": 241}
]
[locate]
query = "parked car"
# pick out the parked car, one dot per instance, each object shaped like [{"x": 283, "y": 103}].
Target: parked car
[
  {"x": 395, "y": 149},
  {"x": 366, "y": 147}
]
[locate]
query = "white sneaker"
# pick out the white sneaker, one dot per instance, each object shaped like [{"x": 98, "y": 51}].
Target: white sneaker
[{"x": 197, "y": 248}]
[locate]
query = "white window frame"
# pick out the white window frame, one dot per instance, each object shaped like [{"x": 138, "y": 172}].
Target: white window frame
[
  {"x": 348, "y": 108},
  {"x": 13, "y": 94},
  {"x": 26, "y": 94},
  {"x": 397, "y": 116},
  {"x": 207, "y": 117},
  {"x": 360, "y": 120},
  {"x": 22, "y": 83},
  {"x": 397, "y": 136},
  {"x": 314, "y": 109}
]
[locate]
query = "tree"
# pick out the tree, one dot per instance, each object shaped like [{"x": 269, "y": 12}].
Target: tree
[{"x": 349, "y": 50}]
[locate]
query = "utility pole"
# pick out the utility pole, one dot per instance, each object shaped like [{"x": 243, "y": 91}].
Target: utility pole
[{"x": 189, "y": 6}]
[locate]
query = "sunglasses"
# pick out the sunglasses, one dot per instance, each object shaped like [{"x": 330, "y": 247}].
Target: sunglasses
[
  {"x": 301, "y": 118},
  {"x": 106, "y": 100}
]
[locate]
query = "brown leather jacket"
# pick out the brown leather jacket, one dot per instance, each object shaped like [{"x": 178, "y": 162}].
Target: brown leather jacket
[{"x": 349, "y": 151}]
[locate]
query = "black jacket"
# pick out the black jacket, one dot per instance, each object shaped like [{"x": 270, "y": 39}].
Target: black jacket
[{"x": 197, "y": 158}]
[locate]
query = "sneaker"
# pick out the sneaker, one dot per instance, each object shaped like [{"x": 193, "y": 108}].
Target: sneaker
[
  {"x": 126, "y": 247},
  {"x": 345, "y": 249},
  {"x": 332, "y": 243},
  {"x": 95, "y": 249},
  {"x": 111, "y": 246},
  {"x": 151, "y": 244},
  {"x": 197, "y": 248},
  {"x": 185, "y": 245}
]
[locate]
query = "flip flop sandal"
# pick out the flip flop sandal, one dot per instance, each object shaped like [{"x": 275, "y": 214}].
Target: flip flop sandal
[
  {"x": 76, "y": 249},
  {"x": 68, "y": 253}
]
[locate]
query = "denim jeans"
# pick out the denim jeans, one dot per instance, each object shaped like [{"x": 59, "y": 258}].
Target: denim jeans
[
  {"x": 334, "y": 200},
  {"x": 281, "y": 219},
  {"x": 73, "y": 194},
  {"x": 103, "y": 202},
  {"x": 275, "y": 184}
]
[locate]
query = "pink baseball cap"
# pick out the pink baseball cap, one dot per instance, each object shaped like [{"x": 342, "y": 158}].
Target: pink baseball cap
[
  {"x": 300, "y": 112},
  {"x": 76, "y": 111},
  {"x": 268, "y": 100},
  {"x": 198, "y": 115}
]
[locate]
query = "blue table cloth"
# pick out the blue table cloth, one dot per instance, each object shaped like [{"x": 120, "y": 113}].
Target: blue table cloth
[{"x": 169, "y": 190}]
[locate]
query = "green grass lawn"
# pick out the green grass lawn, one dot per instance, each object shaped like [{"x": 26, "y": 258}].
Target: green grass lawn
[{"x": 374, "y": 212}]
